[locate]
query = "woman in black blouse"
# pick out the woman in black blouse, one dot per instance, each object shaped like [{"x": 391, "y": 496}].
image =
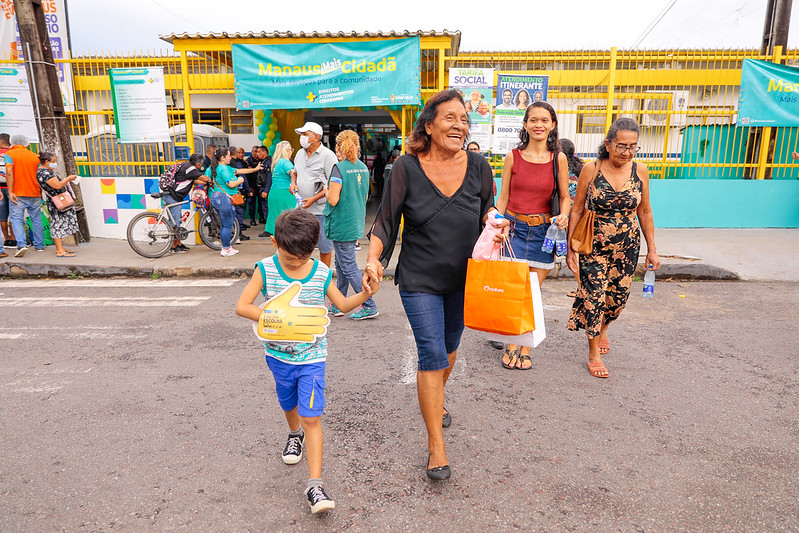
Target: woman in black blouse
[{"x": 444, "y": 194}]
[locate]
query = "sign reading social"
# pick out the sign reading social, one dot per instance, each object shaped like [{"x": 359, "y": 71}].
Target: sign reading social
[
  {"x": 769, "y": 94},
  {"x": 315, "y": 76}
]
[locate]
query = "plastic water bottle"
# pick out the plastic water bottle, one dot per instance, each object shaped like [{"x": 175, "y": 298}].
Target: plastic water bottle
[
  {"x": 299, "y": 198},
  {"x": 485, "y": 246},
  {"x": 549, "y": 240},
  {"x": 649, "y": 283},
  {"x": 561, "y": 246}
]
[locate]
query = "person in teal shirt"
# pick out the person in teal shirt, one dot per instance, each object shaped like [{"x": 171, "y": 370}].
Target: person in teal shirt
[
  {"x": 225, "y": 185},
  {"x": 280, "y": 197},
  {"x": 345, "y": 215}
]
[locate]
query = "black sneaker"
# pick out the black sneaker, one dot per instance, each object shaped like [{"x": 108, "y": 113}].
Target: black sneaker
[
  {"x": 10, "y": 243},
  {"x": 318, "y": 500},
  {"x": 253, "y": 223},
  {"x": 292, "y": 453},
  {"x": 180, "y": 248},
  {"x": 265, "y": 234},
  {"x": 243, "y": 237},
  {"x": 244, "y": 226}
]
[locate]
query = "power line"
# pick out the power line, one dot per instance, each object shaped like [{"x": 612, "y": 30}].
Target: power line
[
  {"x": 654, "y": 23},
  {"x": 178, "y": 15}
]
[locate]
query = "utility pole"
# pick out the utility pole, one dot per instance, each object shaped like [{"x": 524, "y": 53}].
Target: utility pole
[
  {"x": 46, "y": 93},
  {"x": 775, "y": 33}
]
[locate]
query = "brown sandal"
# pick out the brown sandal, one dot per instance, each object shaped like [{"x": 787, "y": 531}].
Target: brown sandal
[
  {"x": 522, "y": 359},
  {"x": 598, "y": 369},
  {"x": 513, "y": 358},
  {"x": 604, "y": 346}
]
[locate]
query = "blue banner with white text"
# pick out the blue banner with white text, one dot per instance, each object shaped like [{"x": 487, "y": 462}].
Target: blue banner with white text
[{"x": 315, "y": 76}]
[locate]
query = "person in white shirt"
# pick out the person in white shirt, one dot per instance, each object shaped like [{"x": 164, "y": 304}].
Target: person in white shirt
[{"x": 313, "y": 165}]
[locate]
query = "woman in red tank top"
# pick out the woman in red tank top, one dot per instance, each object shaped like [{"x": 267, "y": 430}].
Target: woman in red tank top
[{"x": 528, "y": 183}]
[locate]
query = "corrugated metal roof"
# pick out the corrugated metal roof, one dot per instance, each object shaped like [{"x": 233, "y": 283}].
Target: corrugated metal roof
[{"x": 454, "y": 35}]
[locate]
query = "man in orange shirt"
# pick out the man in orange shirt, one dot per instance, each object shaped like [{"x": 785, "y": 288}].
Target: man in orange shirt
[{"x": 24, "y": 193}]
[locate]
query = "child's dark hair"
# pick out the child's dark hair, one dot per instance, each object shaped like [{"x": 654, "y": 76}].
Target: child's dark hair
[
  {"x": 296, "y": 232},
  {"x": 575, "y": 163},
  {"x": 552, "y": 140}
]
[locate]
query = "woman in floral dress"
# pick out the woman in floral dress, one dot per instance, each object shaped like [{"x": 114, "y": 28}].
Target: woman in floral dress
[
  {"x": 63, "y": 223},
  {"x": 617, "y": 190}
]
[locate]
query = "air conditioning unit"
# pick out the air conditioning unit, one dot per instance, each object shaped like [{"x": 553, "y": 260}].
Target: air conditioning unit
[{"x": 654, "y": 109}]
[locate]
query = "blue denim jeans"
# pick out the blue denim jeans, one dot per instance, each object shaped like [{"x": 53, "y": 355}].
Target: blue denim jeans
[
  {"x": 437, "y": 324},
  {"x": 175, "y": 210},
  {"x": 34, "y": 206},
  {"x": 347, "y": 272},
  {"x": 221, "y": 203}
]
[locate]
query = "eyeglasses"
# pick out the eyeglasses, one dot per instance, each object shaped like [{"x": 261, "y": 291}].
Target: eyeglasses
[{"x": 621, "y": 148}]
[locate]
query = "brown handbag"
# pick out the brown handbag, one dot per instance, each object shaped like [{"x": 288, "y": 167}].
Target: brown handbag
[
  {"x": 237, "y": 199},
  {"x": 582, "y": 239}
]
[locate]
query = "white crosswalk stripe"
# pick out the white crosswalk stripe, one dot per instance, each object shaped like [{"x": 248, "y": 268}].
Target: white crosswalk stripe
[
  {"x": 76, "y": 332},
  {"x": 119, "y": 301}
]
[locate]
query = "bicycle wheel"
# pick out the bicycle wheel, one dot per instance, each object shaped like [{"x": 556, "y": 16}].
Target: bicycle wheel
[
  {"x": 150, "y": 236},
  {"x": 209, "y": 229}
]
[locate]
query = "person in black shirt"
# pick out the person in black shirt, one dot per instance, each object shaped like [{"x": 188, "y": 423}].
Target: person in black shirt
[
  {"x": 444, "y": 194},
  {"x": 378, "y": 166},
  {"x": 187, "y": 174},
  {"x": 264, "y": 184},
  {"x": 209, "y": 154}
]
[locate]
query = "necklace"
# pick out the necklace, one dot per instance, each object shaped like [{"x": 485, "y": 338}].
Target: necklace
[{"x": 539, "y": 157}]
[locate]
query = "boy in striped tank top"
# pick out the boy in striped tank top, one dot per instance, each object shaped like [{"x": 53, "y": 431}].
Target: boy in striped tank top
[{"x": 299, "y": 367}]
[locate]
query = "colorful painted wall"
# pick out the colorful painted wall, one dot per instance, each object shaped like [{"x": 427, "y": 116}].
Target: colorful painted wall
[{"x": 112, "y": 202}]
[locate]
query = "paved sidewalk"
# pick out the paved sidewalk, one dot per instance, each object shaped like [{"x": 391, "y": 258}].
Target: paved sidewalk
[{"x": 720, "y": 254}]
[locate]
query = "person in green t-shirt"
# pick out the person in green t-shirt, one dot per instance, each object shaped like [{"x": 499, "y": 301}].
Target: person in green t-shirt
[
  {"x": 345, "y": 215},
  {"x": 226, "y": 184}
]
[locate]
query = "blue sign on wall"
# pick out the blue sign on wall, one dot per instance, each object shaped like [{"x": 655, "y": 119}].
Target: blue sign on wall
[{"x": 769, "y": 94}]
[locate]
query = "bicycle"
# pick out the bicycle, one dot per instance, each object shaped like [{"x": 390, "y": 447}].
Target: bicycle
[{"x": 151, "y": 234}]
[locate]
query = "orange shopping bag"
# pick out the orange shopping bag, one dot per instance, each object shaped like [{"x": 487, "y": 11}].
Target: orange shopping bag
[{"x": 498, "y": 297}]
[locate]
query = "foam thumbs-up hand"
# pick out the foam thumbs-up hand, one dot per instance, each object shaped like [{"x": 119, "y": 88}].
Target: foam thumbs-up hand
[{"x": 286, "y": 319}]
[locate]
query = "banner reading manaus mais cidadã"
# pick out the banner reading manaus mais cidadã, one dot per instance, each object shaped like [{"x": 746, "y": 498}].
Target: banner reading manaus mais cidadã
[{"x": 324, "y": 75}]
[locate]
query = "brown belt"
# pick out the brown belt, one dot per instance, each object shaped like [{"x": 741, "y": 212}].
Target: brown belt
[{"x": 531, "y": 220}]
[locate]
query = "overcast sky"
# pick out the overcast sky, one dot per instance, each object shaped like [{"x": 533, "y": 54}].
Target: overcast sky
[{"x": 506, "y": 25}]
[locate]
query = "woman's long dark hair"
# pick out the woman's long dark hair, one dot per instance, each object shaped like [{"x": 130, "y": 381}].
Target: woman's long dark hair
[
  {"x": 575, "y": 163},
  {"x": 552, "y": 140},
  {"x": 620, "y": 124},
  {"x": 419, "y": 143},
  {"x": 218, "y": 154}
]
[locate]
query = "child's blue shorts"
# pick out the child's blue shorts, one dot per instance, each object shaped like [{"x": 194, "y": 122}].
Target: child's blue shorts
[{"x": 301, "y": 386}]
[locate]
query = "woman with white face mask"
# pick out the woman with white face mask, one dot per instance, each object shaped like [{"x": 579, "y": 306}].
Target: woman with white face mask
[{"x": 62, "y": 223}]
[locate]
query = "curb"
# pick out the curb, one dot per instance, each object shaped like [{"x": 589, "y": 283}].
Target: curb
[{"x": 688, "y": 269}]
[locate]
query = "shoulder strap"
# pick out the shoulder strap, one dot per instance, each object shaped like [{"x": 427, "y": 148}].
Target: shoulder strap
[
  {"x": 591, "y": 185},
  {"x": 555, "y": 166}
]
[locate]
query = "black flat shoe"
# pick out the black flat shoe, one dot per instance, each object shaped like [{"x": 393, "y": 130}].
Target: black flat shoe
[
  {"x": 447, "y": 420},
  {"x": 438, "y": 473}
]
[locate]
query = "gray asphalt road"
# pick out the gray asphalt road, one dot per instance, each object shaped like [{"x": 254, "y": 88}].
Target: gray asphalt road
[{"x": 147, "y": 406}]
